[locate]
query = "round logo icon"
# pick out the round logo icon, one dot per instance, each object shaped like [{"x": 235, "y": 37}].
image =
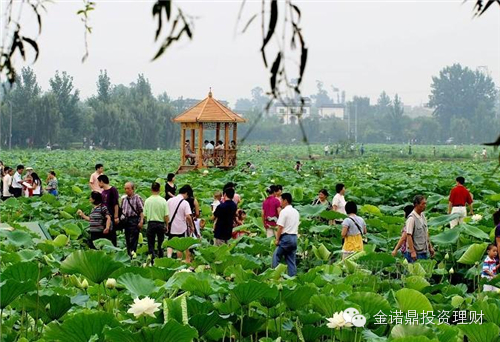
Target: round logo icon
[
  {"x": 349, "y": 313},
  {"x": 358, "y": 321}
]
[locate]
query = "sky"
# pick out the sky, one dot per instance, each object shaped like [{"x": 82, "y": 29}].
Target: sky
[{"x": 362, "y": 47}]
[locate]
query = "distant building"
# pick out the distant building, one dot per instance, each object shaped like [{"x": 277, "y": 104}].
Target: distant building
[
  {"x": 332, "y": 111},
  {"x": 290, "y": 111}
]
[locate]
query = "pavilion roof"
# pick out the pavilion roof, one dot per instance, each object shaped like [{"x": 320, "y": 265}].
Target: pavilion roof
[{"x": 209, "y": 110}]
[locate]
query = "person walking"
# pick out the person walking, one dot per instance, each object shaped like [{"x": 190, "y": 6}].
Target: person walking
[
  {"x": 224, "y": 215},
  {"x": 459, "y": 198},
  {"x": 180, "y": 221},
  {"x": 17, "y": 182},
  {"x": 99, "y": 219},
  {"x": 286, "y": 236},
  {"x": 353, "y": 230},
  {"x": 418, "y": 243},
  {"x": 156, "y": 214},
  {"x": 110, "y": 198},
  {"x": 133, "y": 217},
  {"x": 170, "y": 187},
  {"x": 93, "y": 182},
  {"x": 271, "y": 208},
  {"x": 401, "y": 245}
]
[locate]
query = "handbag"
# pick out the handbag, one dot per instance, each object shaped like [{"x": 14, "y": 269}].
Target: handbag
[{"x": 169, "y": 226}]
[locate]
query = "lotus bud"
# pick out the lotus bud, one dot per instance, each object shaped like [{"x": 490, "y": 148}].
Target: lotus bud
[
  {"x": 111, "y": 283},
  {"x": 133, "y": 254},
  {"x": 451, "y": 271},
  {"x": 141, "y": 238},
  {"x": 447, "y": 256},
  {"x": 85, "y": 284},
  {"x": 476, "y": 263},
  {"x": 205, "y": 172},
  {"x": 280, "y": 287}
]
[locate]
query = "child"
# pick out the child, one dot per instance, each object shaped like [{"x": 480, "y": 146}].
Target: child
[
  {"x": 239, "y": 220},
  {"x": 402, "y": 241},
  {"x": 216, "y": 202},
  {"x": 490, "y": 267},
  {"x": 52, "y": 183}
]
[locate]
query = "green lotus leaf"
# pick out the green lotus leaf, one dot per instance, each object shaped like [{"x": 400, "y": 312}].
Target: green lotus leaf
[
  {"x": 473, "y": 254},
  {"x": 81, "y": 327},
  {"x": 480, "y": 332},
  {"x": 96, "y": 266},
  {"x": 409, "y": 299},
  {"x": 137, "y": 285},
  {"x": 180, "y": 244}
]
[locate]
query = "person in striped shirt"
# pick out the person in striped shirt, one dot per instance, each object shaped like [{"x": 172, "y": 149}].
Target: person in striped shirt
[{"x": 490, "y": 267}]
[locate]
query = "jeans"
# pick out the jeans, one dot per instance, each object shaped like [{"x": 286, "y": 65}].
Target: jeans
[
  {"x": 155, "y": 230},
  {"x": 287, "y": 248},
  {"x": 420, "y": 256},
  {"x": 53, "y": 192},
  {"x": 132, "y": 234}
]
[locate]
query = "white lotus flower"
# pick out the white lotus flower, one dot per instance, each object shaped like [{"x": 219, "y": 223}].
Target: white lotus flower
[
  {"x": 447, "y": 256},
  {"x": 144, "y": 307},
  {"x": 253, "y": 173},
  {"x": 338, "y": 321},
  {"x": 205, "y": 172},
  {"x": 111, "y": 283},
  {"x": 451, "y": 271},
  {"x": 85, "y": 284},
  {"x": 477, "y": 217}
]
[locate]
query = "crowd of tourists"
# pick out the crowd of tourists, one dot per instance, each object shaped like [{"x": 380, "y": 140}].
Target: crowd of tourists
[
  {"x": 175, "y": 213},
  {"x": 25, "y": 182}
]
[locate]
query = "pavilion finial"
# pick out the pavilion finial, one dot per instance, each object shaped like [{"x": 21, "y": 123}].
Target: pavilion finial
[{"x": 210, "y": 92}]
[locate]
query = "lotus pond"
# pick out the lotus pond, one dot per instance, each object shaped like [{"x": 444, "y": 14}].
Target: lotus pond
[{"x": 59, "y": 290}]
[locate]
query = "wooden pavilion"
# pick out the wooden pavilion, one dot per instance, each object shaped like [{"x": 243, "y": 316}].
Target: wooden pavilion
[{"x": 208, "y": 115}]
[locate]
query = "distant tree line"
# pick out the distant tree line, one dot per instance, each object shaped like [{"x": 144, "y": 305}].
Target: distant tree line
[
  {"x": 464, "y": 102},
  {"x": 117, "y": 116}
]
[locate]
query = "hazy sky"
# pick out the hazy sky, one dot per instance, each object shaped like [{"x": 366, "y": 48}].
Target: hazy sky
[{"x": 362, "y": 47}]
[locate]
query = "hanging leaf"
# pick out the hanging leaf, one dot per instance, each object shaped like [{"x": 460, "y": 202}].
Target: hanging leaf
[
  {"x": 96, "y": 266},
  {"x": 409, "y": 299},
  {"x": 480, "y": 332},
  {"x": 273, "y": 20},
  {"x": 204, "y": 322},
  {"x": 370, "y": 303},
  {"x": 473, "y": 254},
  {"x": 181, "y": 244},
  {"x": 80, "y": 327},
  {"x": 137, "y": 285},
  {"x": 250, "y": 291},
  {"x": 10, "y": 289}
]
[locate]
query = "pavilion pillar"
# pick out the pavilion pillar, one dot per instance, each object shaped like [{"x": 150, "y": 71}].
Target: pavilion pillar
[
  {"x": 192, "y": 140},
  {"x": 183, "y": 142},
  {"x": 217, "y": 132},
  {"x": 226, "y": 144},
  {"x": 235, "y": 134},
  {"x": 200, "y": 145}
]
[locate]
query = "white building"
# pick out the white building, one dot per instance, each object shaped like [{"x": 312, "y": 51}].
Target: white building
[
  {"x": 332, "y": 111},
  {"x": 289, "y": 113}
]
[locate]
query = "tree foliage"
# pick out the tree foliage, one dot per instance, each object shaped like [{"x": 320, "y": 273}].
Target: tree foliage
[{"x": 462, "y": 97}]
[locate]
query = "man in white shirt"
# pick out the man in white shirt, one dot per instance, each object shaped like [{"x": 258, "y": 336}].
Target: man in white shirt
[
  {"x": 17, "y": 182},
  {"x": 180, "y": 221},
  {"x": 93, "y": 182},
  {"x": 208, "y": 145},
  {"x": 286, "y": 236}
]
